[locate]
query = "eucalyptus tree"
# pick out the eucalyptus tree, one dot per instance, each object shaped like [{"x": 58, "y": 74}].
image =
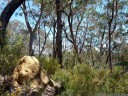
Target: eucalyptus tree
[
  {"x": 110, "y": 15},
  {"x": 6, "y": 15},
  {"x": 73, "y": 31},
  {"x": 54, "y": 9},
  {"x": 32, "y": 24}
]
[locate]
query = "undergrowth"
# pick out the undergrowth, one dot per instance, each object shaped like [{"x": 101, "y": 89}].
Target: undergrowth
[{"x": 78, "y": 80}]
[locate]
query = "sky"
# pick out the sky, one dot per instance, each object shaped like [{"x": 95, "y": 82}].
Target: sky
[
  {"x": 3, "y": 4},
  {"x": 20, "y": 18}
]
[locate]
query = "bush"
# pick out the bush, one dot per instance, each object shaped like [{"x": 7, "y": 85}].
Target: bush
[
  {"x": 75, "y": 80},
  {"x": 49, "y": 64},
  {"x": 84, "y": 80}
]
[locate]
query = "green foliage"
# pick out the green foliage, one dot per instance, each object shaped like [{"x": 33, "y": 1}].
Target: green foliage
[
  {"x": 49, "y": 64},
  {"x": 7, "y": 65},
  {"x": 84, "y": 80},
  {"x": 10, "y": 55},
  {"x": 80, "y": 79},
  {"x": 76, "y": 81},
  {"x": 124, "y": 63}
]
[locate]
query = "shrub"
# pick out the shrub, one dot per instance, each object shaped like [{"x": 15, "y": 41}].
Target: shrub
[
  {"x": 84, "y": 80},
  {"x": 76, "y": 81},
  {"x": 49, "y": 64}
]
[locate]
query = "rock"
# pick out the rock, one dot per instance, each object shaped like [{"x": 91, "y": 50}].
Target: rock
[{"x": 29, "y": 79}]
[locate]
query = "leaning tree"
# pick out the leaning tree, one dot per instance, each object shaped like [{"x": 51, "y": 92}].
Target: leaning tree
[{"x": 5, "y": 17}]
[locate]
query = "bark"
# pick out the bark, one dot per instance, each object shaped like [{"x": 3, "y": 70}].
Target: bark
[
  {"x": 44, "y": 43},
  {"x": 31, "y": 51},
  {"x": 110, "y": 31},
  {"x": 31, "y": 30},
  {"x": 6, "y": 15},
  {"x": 84, "y": 39},
  {"x": 54, "y": 33},
  {"x": 59, "y": 33},
  {"x": 73, "y": 37},
  {"x": 39, "y": 38}
]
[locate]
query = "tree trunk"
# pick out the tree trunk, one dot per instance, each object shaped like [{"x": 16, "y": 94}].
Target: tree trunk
[
  {"x": 110, "y": 24},
  {"x": 109, "y": 49},
  {"x": 31, "y": 51},
  {"x": 6, "y": 15},
  {"x": 31, "y": 30},
  {"x": 59, "y": 33},
  {"x": 70, "y": 22},
  {"x": 54, "y": 33},
  {"x": 91, "y": 51}
]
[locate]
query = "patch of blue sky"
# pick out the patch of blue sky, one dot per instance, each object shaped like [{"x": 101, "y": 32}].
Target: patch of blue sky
[
  {"x": 17, "y": 17},
  {"x": 3, "y": 4}
]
